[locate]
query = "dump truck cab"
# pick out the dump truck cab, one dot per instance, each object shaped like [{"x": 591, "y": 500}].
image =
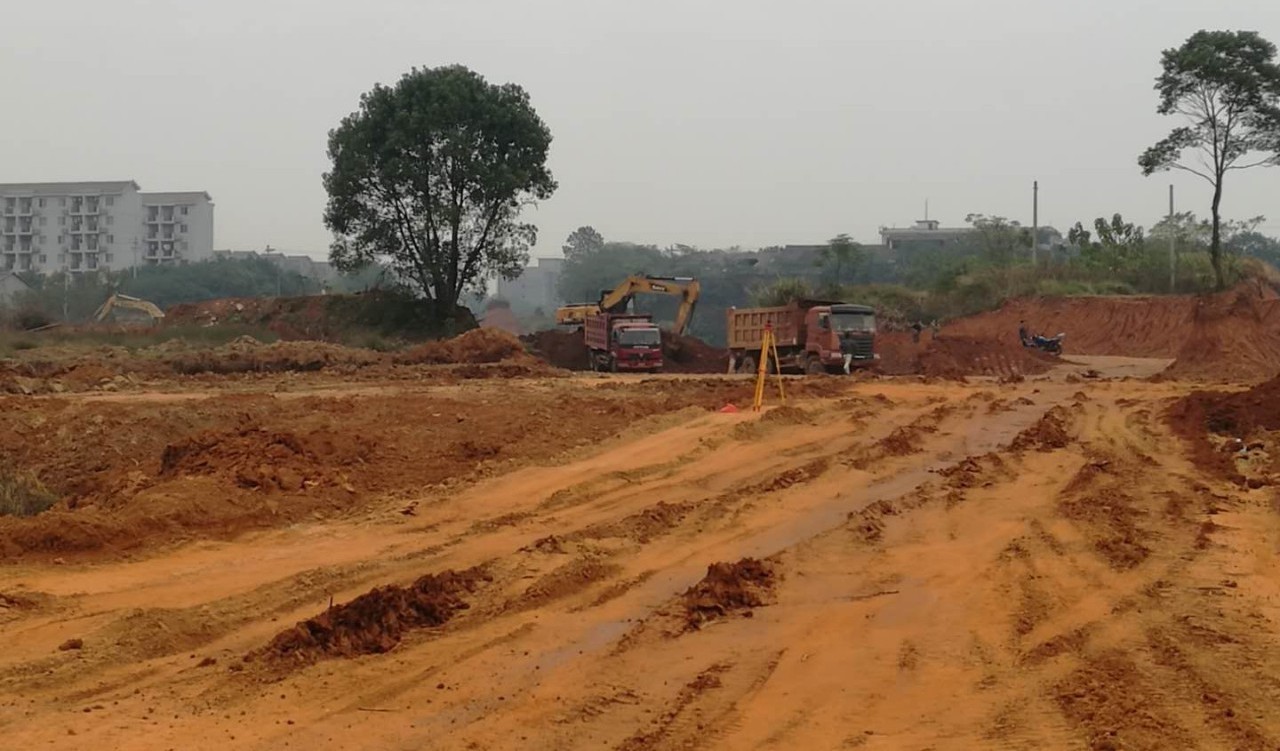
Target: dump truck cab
[{"x": 842, "y": 335}]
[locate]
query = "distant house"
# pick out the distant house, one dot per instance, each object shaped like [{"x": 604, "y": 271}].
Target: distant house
[
  {"x": 321, "y": 272},
  {"x": 11, "y": 289},
  {"x": 925, "y": 232},
  {"x": 537, "y": 287}
]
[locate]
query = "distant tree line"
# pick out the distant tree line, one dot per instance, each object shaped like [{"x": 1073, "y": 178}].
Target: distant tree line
[
  {"x": 925, "y": 280},
  {"x": 74, "y": 297}
]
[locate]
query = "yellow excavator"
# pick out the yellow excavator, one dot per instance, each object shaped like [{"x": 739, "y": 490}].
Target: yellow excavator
[
  {"x": 125, "y": 302},
  {"x": 617, "y": 299}
]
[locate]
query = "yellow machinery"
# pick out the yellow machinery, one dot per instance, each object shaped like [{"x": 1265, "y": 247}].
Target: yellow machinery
[
  {"x": 616, "y": 300},
  {"x": 126, "y": 302}
]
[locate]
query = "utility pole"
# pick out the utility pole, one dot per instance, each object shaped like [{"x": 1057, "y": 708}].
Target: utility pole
[
  {"x": 1035, "y": 219},
  {"x": 1173, "y": 256}
]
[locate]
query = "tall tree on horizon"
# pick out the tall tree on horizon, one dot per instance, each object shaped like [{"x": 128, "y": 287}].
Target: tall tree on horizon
[
  {"x": 431, "y": 174},
  {"x": 1226, "y": 86}
]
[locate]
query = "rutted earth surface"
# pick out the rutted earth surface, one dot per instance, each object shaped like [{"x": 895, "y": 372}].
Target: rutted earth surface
[{"x": 1061, "y": 561}]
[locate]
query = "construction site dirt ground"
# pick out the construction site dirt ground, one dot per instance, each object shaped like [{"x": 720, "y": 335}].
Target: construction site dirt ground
[{"x": 575, "y": 562}]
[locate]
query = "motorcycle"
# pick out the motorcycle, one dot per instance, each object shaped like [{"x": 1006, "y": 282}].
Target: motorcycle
[{"x": 1050, "y": 344}]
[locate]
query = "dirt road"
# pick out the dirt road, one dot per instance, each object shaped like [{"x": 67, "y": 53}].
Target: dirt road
[{"x": 928, "y": 565}]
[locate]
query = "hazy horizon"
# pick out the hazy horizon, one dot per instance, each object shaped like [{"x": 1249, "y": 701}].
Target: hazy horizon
[{"x": 713, "y": 124}]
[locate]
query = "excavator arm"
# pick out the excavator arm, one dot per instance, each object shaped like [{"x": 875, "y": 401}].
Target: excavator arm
[
  {"x": 686, "y": 288},
  {"x": 129, "y": 303},
  {"x": 616, "y": 300}
]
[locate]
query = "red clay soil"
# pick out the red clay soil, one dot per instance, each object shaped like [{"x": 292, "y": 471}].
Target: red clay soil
[
  {"x": 728, "y": 588},
  {"x": 247, "y": 355},
  {"x": 1232, "y": 338},
  {"x": 375, "y": 622},
  {"x": 268, "y": 460},
  {"x": 1241, "y": 417},
  {"x": 475, "y": 347},
  {"x": 953, "y": 356},
  {"x": 687, "y": 354},
  {"x": 1241, "y": 414},
  {"x": 1124, "y": 326},
  {"x": 561, "y": 348},
  {"x": 212, "y": 468}
]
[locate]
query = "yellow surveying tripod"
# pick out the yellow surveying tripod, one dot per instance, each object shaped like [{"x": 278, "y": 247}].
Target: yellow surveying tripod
[{"x": 768, "y": 349}]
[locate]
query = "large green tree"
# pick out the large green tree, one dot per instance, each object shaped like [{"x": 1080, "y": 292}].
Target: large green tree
[
  {"x": 1226, "y": 87},
  {"x": 841, "y": 254},
  {"x": 582, "y": 242},
  {"x": 430, "y": 175}
]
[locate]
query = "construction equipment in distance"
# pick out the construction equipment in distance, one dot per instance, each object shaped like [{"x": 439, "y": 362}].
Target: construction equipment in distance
[
  {"x": 811, "y": 336},
  {"x": 616, "y": 300},
  {"x": 126, "y": 302}
]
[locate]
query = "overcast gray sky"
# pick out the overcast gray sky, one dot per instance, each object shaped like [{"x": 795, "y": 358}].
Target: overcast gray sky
[{"x": 711, "y": 123}]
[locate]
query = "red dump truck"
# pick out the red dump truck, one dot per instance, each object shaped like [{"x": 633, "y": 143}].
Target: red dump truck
[
  {"x": 623, "y": 343},
  {"x": 812, "y": 336}
]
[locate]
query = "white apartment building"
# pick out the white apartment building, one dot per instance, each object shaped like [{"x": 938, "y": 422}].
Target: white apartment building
[{"x": 90, "y": 226}]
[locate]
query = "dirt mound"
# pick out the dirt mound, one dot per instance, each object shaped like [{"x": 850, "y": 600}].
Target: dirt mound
[
  {"x": 899, "y": 355},
  {"x": 1242, "y": 414},
  {"x": 728, "y": 588},
  {"x": 1050, "y": 432},
  {"x": 267, "y": 460},
  {"x": 957, "y": 356},
  {"x": 787, "y": 415},
  {"x": 1146, "y": 326},
  {"x": 688, "y": 354},
  {"x": 1229, "y": 432},
  {"x": 1231, "y": 337},
  {"x": 332, "y": 318},
  {"x": 476, "y": 347},
  {"x": 561, "y": 348},
  {"x": 247, "y": 355},
  {"x": 376, "y": 621}
]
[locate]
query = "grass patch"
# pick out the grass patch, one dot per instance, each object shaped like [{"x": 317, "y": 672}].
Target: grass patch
[{"x": 22, "y": 494}]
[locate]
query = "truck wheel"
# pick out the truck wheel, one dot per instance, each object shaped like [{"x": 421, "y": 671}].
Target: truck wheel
[
  {"x": 747, "y": 365},
  {"x": 814, "y": 366}
]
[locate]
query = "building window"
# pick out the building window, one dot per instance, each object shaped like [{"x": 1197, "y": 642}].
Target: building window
[
  {"x": 111, "y": 200},
  {"x": 110, "y": 257},
  {"x": 111, "y": 219},
  {"x": 111, "y": 239},
  {"x": 43, "y": 259},
  {"x": 184, "y": 210},
  {"x": 43, "y": 221},
  {"x": 42, "y": 203}
]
